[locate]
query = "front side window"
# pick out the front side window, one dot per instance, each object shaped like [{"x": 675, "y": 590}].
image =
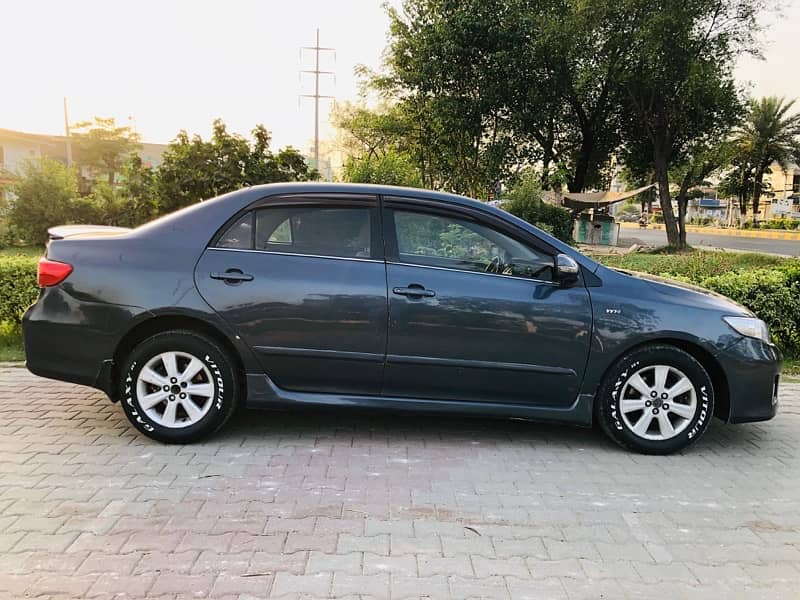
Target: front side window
[{"x": 451, "y": 242}]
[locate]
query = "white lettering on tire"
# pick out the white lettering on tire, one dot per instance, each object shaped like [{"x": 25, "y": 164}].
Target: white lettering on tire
[
  {"x": 703, "y": 413},
  {"x": 129, "y": 399}
]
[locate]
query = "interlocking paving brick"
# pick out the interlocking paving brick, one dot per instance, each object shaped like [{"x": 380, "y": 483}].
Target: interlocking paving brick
[{"x": 369, "y": 505}]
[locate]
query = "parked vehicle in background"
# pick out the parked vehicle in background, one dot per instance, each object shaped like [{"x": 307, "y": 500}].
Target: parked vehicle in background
[{"x": 299, "y": 294}]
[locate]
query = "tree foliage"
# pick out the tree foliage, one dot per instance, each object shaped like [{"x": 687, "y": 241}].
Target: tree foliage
[
  {"x": 47, "y": 193},
  {"x": 101, "y": 147},
  {"x": 479, "y": 89},
  {"x": 193, "y": 169},
  {"x": 769, "y": 134},
  {"x": 43, "y": 196}
]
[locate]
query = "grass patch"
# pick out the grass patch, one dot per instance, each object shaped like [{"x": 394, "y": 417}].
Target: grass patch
[{"x": 11, "y": 343}]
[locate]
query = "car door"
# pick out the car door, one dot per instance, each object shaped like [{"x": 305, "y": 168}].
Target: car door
[
  {"x": 303, "y": 282},
  {"x": 475, "y": 314}
]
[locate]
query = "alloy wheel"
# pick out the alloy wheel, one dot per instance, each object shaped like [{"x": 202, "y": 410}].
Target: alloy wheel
[
  {"x": 175, "y": 389},
  {"x": 658, "y": 402}
]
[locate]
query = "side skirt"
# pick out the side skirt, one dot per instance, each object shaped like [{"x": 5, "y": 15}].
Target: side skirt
[{"x": 263, "y": 393}]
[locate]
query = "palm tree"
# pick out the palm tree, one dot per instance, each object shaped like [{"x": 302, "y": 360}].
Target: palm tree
[{"x": 767, "y": 135}]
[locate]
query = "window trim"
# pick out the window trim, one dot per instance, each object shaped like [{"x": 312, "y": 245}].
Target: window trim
[{"x": 392, "y": 247}]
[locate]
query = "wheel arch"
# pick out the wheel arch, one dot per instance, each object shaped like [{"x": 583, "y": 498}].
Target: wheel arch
[
  {"x": 715, "y": 371},
  {"x": 165, "y": 322}
]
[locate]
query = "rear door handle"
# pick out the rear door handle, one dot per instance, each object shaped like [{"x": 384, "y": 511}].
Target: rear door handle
[
  {"x": 232, "y": 276},
  {"x": 414, "y": 290}
]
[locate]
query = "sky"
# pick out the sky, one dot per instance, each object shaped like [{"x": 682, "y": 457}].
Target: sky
[{"x": 166, "y": 65}]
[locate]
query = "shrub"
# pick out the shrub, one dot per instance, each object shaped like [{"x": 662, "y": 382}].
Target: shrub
[
  {"x": 525, "y": 202},
  {"x": 43, "y": 198},
  {"x": 772, "y": 294},
  {"x": 18, "y": 287}
]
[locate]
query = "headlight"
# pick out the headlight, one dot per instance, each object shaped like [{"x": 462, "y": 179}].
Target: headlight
[{"x": 749, "y": 327}]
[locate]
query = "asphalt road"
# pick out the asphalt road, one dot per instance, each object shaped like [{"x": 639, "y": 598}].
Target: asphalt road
[{"x": 659, "y": 238}]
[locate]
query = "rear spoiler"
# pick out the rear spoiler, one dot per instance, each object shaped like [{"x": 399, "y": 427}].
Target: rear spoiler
[{"x": 65, "y": 231}]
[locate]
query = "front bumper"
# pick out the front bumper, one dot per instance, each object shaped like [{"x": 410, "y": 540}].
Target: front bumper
[{"x": 752, "y": 369}]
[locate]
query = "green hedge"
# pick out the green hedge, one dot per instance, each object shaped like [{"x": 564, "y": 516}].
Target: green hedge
[
  {"x": 772, "y": 294},
  {"x": 18, "y": 287}
]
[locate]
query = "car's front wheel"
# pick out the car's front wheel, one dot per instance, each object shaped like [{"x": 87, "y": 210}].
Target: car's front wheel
[
  {"x": 657, "y": 399},
  {"x": 178, "y": 387}
]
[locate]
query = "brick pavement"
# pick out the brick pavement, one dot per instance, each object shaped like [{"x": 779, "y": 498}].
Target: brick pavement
[{"x": 355, "y": 505}]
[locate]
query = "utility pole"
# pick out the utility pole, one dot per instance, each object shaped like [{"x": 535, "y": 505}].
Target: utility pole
[
  {"x": 316, "y": 95},
  {"x": 66, "y": 130}
]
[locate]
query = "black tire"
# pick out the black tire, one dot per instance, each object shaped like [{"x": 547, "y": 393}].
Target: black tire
[
  {"x": 617, "y": 427},
  {"x": 224, "y": 379}
]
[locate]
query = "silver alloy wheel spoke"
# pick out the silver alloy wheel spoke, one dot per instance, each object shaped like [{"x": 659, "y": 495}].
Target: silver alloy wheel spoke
[
  {"x": 175, "y": 389},
  {"x": 170, "y": 362},
  {"x": 651, "y": 394},
  {"x": 680, "y": 387},
  {"x": 192, "y": 369},
  {"x": 199, "y": 389},
  {"x": 682, "y": 410},
  {"x": 665, "y": 425},
  {"x": 191, "y": 409},
  {"x": 151, "y": 400},
  {"x": 661, "y": 372},
  {"x": 643, "y": 424},
  {"x": 637, "y": 383},
  {"x": 169, "y": 416},
  {"x": 147, "y": 374},
  {"x": 632, "y": 405}
]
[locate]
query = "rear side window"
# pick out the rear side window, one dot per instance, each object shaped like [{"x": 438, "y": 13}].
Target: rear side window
[
  {"x": 347, "y": 232},
  {"x": 343, "y": 232},
  {"x": 239, "y": 235}
]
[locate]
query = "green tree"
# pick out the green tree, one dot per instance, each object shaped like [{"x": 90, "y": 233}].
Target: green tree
[
  {"x": 43, "y": 196},
  {"x": 390, "y": 168},
  {"x": 103, "y": 148},
  {"x": 524, "y": 200},
  {"x": 679, "y": 84},
  {"x": 704, "y": 158},
  {"x": 193, "y": 169},
  {"x": 769, "y": 134}
]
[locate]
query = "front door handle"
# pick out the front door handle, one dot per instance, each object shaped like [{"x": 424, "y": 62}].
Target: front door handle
[
  {"x": 414, "y": 290},
  {"x": 232, "y": 276}
]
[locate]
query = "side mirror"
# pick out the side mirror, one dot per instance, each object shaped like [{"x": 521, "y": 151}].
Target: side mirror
[{"x": 567, "y": 269}]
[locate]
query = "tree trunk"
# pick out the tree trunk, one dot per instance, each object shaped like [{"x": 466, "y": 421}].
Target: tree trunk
[
  {"x": 662, "y": 178},
  {"x": 578, "y": 181},
  {"x": 758, "y": 186},
  {"x": 683, "y": 202}
]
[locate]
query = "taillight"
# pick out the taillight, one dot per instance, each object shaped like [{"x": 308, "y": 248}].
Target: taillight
[{"x": 51, "y": 272}]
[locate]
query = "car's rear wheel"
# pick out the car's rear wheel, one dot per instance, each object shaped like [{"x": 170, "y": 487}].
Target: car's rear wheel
[
  {"x": 178, "y": 386},
  {"x": 656, "y": 399}
]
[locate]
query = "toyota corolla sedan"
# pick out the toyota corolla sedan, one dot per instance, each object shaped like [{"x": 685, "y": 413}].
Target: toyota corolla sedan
[{"x": 301, "y": 294}]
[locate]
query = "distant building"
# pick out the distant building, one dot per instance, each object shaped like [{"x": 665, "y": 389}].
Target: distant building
[
  {"x": 17, "y": 146},
  {"x": 784, "y": 189}
]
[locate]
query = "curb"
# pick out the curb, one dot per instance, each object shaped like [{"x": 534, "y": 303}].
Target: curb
[{"x": 775, "y": 234}]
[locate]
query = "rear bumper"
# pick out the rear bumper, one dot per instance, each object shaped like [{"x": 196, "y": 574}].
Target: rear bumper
[
  {"x": 753, "y": 371},
  {"x": 73, "y": 341}
]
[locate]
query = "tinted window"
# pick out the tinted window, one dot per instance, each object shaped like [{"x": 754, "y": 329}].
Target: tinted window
[
  {"x": 345, "y": 232},
  {"x": 239, "y": 235},
  {"x": 450, "y": 242}
]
